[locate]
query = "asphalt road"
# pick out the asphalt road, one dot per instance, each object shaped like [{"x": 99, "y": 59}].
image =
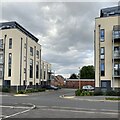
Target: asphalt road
[{"x": 50, "y": 105}]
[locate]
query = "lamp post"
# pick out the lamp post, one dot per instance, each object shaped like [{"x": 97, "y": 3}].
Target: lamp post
[{"x": 79, "y": 77}]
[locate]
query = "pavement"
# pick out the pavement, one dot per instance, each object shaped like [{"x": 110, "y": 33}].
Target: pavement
[{"x": 90, "y": 98}]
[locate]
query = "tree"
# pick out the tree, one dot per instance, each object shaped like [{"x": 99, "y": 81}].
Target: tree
[
  {"x": 73, "y": 76},
  {"x": 87, "y": 72}
]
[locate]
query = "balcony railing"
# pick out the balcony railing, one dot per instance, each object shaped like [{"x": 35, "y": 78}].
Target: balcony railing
[
  {"x": 116, "y": 32},
  {"x": 116, "y": 54}
]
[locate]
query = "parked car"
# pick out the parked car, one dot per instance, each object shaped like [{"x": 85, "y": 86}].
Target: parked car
[
  {"x": 88, "y": 87},
  {"x": 50, "y": 87}
]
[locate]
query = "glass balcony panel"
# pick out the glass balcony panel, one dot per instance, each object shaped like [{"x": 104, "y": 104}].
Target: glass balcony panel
[
  {"x": 116, "y": 34},
  {"x": 116, "y": 54}
]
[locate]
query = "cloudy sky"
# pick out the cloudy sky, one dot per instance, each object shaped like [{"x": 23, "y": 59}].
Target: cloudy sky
[{"x": 65, "y": 30}]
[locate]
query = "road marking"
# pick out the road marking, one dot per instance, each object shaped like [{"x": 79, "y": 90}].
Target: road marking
[
  {"x": 30, "y": 108},
  {"x": 76, "y": 109},
  {"x": 15, "y": 107},
  {"x": 20, "y": 95}
]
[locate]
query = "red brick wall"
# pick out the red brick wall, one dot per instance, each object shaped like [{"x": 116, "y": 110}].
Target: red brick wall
[{"x": 75, "y": 84}]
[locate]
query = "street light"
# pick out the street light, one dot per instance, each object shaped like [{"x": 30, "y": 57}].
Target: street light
[{"x": 79, "y": 77}]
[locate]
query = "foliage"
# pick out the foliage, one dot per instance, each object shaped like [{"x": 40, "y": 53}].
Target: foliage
[
  {"x": 112, "y": 98},
  {"x": 31, "y": 91},
  {"x": 80, "y": 92},
  {"x": 73, "y": 76},
  {"x": 5, "y": 89},
  {"x": 87, "y": 72},
  {"x": 21, "y": 92},
  {"x": 113, "y": 93},
  {"x": 98, "y": 93}
]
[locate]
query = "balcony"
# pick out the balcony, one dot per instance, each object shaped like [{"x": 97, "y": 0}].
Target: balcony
[
  {"x": 117, "y": 74},
  {"x": 117, "y": 54},
  {"x": 117, "y": 70},
  {"x": 116, "y": 33}
]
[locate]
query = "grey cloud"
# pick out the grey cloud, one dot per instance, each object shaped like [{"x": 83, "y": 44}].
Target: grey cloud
[{"x": 65, "y": 30}]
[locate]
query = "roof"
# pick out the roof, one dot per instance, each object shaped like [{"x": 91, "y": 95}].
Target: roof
[
  {"x": 80, "y": 80},
  {"x": 13, "y": 24},
  {"x": 111, "y": 11}
]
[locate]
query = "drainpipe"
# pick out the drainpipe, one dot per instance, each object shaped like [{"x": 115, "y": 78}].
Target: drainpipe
[
  {"x": 4, "y": 59},
  {"x": 99, "y": 58}
]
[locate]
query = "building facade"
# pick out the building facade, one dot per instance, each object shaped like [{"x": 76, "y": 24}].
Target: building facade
[
  {"x": 20, "y": 56},
  {"x": 107, "y": 49},
  {"x": 45, "y": 72}
]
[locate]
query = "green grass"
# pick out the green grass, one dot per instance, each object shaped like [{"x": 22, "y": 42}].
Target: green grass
[{"x": 108, "y": 98}]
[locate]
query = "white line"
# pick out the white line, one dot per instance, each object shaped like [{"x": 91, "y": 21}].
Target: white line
[
  {"x": 79, "y": 111},
  {"x": 19, "y": 112}
]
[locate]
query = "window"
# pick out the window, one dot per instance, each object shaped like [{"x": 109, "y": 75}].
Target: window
[
  {"x": 9, "y": 64},
  {"x": 31, "y": 51},
  {"x": 31, "y": 68},
  {"x": 30, "y": 83},
  {"x": 102, "y": 68},
  {"x": 102, "y": 35},
  {"x": 1, "y": 43},
  {"x": 10, "y": 43},
  {"x": 44, "y": 74},
  {"x": 37, "y": 70},
  {"x": 103, "y": 84},
  {"x": 102, "y": 50},
  {"x": 25, "y": 46},
  {"x": 1, "y": 72},
  {"x": 1, "y": 58},
  {"x": 116, "y": 69},
  {"x": 37, "y": 54},
  {"x": 24, "y": 70}
]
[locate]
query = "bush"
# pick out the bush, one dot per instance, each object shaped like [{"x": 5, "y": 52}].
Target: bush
[
  {"x": 118, "y": 93},
  {"x": 83, "y": 93},
  {"x": 41, "y": 89},
  {"x": 97, "y": 93},
  {"x": 111, "y": 93},
  {"x": 78, "y": 92},
  {"x": 5, "y": 89},
  {"x": 112, "y": 98},
  {"x": 21, "y": 92}
]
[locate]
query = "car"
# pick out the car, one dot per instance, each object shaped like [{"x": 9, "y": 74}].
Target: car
[
  {"x": 50, "y": 87},
  {"x": 88, "y": 88}
]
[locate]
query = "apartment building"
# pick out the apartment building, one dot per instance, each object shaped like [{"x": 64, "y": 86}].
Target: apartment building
[
  {"x": 107, "y": 49},
  {"x": 45, "y": 72},
  {"x": 20, "y": 56}
]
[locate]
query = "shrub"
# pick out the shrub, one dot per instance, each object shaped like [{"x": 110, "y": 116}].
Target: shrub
[
  {"x": 111, "y": 93},
  {"x": 78, "y": 92},
  {"x": 41, "y": 89},
  {"x": 5, "y": 89},
  {"x": 97, "y": 93},
  {"x": 21, "y": 92},
  {"x": 118, "y": 93},
  {"x": 83, "y": 93},
  {"x": 112, "y": 98}
]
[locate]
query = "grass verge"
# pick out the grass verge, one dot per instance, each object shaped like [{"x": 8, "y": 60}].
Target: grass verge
[{"x": 109, "y": 98}]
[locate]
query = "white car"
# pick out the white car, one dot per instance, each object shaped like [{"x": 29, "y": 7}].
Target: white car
[{"x": 88, "y": 87}]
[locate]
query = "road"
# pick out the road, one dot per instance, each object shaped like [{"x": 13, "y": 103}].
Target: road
[{"x": 50, "y": 105}]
